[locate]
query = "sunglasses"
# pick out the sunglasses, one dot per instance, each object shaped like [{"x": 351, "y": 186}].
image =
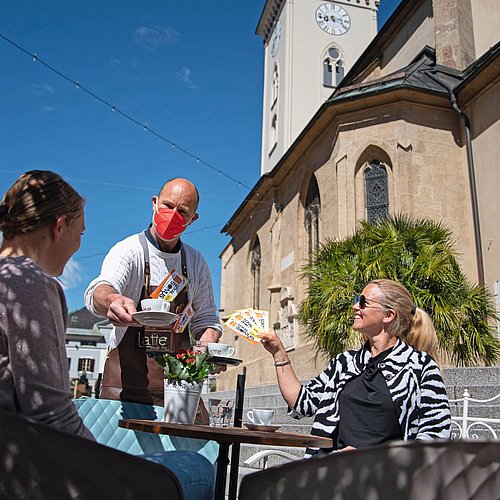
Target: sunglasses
[{"x": 362, "y": 301}]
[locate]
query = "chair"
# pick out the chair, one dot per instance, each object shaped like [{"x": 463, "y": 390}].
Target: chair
[
  {"x": 416, "y": 470},
  {"x": 101, "y": 416},
  {"x": 39, "y": 462}
]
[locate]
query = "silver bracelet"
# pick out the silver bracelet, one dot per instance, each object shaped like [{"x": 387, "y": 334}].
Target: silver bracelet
[{"x": 282, "y": 363}]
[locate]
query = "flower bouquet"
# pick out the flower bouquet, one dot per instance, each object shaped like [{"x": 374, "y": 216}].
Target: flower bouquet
[
  {"x": 183, "y": 374},
  {"x": 185, "y": 367}
]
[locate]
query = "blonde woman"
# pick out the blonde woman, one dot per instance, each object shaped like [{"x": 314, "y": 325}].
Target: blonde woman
[{"x": 390, "y": 389}]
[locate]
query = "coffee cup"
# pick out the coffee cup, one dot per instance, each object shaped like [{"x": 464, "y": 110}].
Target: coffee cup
[
  {"x": 223, "y": 350},
  {"x": 258, "y": 416},
  {"x": 156, "y": 305}
]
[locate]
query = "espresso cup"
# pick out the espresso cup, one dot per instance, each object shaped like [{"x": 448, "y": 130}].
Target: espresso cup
[
  {"x": 260, "y": 417},
  {"x": 223, "y": 350},
  {"x": 157, "y": 305}
]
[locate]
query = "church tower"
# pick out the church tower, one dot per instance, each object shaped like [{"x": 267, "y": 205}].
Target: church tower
[{"x": 308, "y": 48}]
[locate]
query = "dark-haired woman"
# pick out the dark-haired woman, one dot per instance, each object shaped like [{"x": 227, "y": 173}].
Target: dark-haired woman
[
  {"x": 42, "y": 220},
  {"x": 390, "y": 389}
]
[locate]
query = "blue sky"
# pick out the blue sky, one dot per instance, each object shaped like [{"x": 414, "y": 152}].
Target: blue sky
[{"x": 190, "y": 71}]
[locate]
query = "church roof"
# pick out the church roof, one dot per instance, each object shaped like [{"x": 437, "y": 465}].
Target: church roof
[{"x": 422, "y": 74}]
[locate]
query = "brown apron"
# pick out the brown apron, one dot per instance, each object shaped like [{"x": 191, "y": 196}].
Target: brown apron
[{"x": 130, "y": 371}]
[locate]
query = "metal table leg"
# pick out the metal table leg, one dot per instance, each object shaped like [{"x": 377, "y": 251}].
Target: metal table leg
[{"x": 222, "y": 463}]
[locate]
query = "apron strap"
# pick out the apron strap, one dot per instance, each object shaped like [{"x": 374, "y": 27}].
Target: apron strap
[{"x": 147, "y": 270}]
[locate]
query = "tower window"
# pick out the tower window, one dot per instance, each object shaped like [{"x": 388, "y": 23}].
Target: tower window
[
  {"x": 275, "y": 86},
  {"x": 333, "y": 68},
  {"x": 327, "y": 73}
]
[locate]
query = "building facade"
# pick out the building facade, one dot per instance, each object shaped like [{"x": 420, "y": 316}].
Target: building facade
[
  {"x": 412, "y": 128},
  {"x": 87, "y": 341}
]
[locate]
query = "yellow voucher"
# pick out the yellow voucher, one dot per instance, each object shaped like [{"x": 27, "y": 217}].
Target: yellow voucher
[{"x": 242, "y": 326}]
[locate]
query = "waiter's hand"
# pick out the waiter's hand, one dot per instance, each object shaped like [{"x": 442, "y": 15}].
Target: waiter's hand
[
  {"x": 120, "y": 311},
  {"x": 211, "y": 335}
]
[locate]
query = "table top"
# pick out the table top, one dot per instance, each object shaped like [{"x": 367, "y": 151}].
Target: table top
[{"x": 227, "y": 435}]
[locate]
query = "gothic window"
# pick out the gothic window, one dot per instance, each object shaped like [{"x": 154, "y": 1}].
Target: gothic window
[
  {"x": 376, "y": 192},
  {"x": 333, "y": 68},
  {"x": 311, "y": 218},
  {"x": 255, "y": 268},
  {"x": 275, "y": 86}
]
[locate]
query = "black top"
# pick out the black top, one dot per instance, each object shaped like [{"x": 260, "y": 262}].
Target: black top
[{"x": 368, "y": 415}]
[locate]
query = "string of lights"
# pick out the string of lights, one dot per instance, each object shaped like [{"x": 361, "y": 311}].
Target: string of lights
[{"x": 125, "y": 115}]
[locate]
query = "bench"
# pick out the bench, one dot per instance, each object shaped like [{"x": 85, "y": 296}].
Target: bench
[{"x": 101, "y": 417}]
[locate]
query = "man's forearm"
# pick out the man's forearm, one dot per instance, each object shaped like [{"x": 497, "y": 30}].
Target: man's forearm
[
  {"x": 208, "y": 335},
  {"x": 103, "y": 296}
]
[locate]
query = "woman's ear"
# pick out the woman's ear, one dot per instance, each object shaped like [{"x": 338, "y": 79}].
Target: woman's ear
[
  {"x": 57, "y": 227},
  {"x": 389, "y": 317}
]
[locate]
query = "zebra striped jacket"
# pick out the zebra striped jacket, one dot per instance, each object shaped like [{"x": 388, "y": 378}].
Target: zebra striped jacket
[{"x": 414, "y": 382}]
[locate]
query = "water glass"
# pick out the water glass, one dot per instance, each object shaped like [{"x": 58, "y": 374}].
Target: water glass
[{"x": 220, "y": 412}]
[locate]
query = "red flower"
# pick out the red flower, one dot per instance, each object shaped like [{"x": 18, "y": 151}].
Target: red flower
[{"x": 190, "y": 361}]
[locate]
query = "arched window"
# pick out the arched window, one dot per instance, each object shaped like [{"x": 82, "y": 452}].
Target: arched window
[
  {"x": 327, "y": 73},
  {"x": 311, "y": 216},
  {"x": 274, "y": 131},
  {"x": 332, "y": 77},
  {"x": 255, "y": 268},
  {"x": 376, "y": 192},
  {"x": 275, "y": 85},
  {"x": 339, "y": 72}
]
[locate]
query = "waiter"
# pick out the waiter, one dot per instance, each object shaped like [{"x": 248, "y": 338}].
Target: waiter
[{"x": 130, "y": 271}]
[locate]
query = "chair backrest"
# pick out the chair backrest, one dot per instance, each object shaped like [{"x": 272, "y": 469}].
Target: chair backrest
[
  {"x": 37, "y": 461},
  {"x": 418, "y": 470},
  {"x": 101, "y": 416}
]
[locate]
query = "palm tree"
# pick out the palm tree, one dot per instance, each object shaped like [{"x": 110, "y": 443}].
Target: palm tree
[{"x": 419, "y": 254}]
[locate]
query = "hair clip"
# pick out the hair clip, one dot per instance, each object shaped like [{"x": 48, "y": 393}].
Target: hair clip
[{"x": 414, "y": 309}]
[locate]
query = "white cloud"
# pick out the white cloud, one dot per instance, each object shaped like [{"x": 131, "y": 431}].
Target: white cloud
[
  {"x": 48, "y": 109},
  {"x": 114, "y": 61},
  {"x": 184, "y": 75},
  {"x": 153, "y": 38},
  {"x": 43, "y": 88},
  {"x": 72, "y": 275}
]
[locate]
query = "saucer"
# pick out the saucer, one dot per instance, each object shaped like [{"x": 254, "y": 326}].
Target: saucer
[
  {"x": 258, "y": 427},
  {"x": 154, "y": 318},
  {"x": 225, "y": 361}
]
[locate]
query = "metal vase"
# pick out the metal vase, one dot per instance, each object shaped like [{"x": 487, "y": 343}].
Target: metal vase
[{"x": 181, "y": 402}]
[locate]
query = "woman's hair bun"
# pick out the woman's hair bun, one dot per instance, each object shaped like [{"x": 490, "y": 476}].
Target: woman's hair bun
[{"x": 4, "y": 211}]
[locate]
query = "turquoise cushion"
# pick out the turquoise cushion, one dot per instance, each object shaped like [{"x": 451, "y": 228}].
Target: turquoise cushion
[{"x": 101, "y": 416}]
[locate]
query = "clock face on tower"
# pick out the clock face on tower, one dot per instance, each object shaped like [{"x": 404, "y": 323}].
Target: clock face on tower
[
  {"x": 275, "y": 42},
  {"x": 333, "y": 19}
]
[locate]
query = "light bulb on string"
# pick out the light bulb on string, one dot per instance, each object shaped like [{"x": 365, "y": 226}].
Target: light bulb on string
[{"x": 34, "y": 56}]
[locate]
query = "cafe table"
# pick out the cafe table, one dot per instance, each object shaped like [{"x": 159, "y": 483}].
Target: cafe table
[{"x": 225, "y": 437}]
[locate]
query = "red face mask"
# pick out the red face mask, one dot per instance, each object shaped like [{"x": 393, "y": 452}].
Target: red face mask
[{"x": 169, "y": 224}]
